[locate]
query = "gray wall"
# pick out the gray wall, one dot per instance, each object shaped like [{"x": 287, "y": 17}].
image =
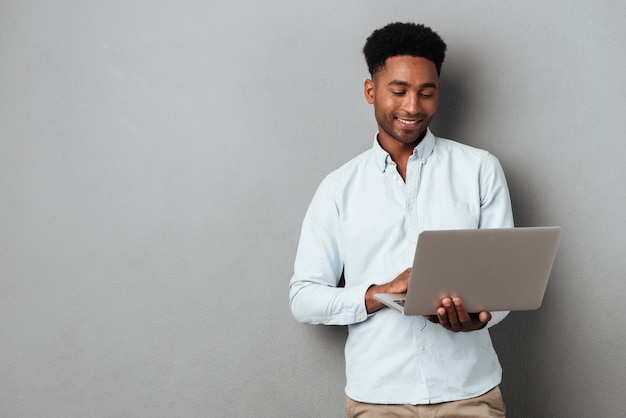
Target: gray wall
[{"x": 156, "y": 160}]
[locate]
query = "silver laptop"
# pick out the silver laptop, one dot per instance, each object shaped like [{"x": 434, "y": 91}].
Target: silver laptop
[{"x": 504, "y": 269}]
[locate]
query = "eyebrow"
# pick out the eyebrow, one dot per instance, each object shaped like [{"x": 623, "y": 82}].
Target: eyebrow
[{"x": 405, "y": 84}]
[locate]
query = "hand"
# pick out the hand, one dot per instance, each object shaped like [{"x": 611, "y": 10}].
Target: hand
[
  {"x": 453, "y": 316},
  {"x": 397, "y": 285}
]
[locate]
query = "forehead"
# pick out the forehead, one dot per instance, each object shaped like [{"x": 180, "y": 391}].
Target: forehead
[{"x": 412, "y": 70}]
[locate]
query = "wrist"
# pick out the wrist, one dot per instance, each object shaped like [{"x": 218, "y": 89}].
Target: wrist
[{"x": 371, "y": 303}]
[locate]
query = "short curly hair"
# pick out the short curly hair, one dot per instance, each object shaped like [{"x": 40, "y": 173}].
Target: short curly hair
[{"x": 399, "y": 38}]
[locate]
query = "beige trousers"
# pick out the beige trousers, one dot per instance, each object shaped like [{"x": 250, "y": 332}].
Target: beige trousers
[{"x": 489, "y": 405}]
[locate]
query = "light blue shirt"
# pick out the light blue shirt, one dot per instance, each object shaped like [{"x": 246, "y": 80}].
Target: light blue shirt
[{"x": 364, "y": 221}]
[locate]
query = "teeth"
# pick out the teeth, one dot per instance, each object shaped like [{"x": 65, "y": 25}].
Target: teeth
[{"x": 408, "y": 122}]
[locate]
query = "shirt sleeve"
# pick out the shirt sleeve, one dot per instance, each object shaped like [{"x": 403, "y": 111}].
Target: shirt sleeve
[
  {"x": 495, "y": 207},
  {"x": 314, "y": 295},
  {"x": 495, "y": 202}
]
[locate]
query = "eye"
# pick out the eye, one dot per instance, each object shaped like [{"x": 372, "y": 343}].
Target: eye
[
  {"x": 427, "y": 94},
  {"x": 397, "y": 92}
]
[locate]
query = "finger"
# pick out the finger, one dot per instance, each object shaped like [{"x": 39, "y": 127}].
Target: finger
[
  {"x": 442, "y": 318},
  {"x": 484, "y": 317},
  {"x": 464, "y": 317},
  {"x": 451, "y": 314}
]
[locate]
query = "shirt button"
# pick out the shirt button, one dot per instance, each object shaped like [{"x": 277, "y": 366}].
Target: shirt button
[
  {"x": 421, "y": 348},
  {"x": 413, "y": 242},
  {"x": 410, "y": 207}
]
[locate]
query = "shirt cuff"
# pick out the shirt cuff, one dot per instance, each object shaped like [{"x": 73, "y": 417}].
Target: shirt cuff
[{"x": 355, "y": 304}]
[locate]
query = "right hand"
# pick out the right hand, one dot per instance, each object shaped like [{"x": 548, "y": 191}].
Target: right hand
[{"x": 397, "y": 285}]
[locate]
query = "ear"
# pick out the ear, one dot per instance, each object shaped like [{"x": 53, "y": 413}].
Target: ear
[{"x": 368, "y": 90}]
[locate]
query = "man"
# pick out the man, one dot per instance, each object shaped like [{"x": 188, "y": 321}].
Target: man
[{"x": 363, "y": 223}]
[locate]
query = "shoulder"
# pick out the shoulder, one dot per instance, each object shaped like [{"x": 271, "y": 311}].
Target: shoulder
[
  {"x": 448, "y": 148},
  {"x": 339, "y": 183},
  {"x": 347, "y": 172},
  {"x": 335, "y": 186},
  {"x": 448, "y": 145}
]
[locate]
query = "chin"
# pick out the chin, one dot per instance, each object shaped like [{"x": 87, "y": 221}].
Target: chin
[{"x": 412, "y": 139}]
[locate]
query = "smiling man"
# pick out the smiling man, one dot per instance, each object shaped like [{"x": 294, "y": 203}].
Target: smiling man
[{"x": 363, "y": 224}]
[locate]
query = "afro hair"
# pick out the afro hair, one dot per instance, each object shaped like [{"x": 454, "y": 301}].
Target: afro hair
[{"x": 398, "y": 38}]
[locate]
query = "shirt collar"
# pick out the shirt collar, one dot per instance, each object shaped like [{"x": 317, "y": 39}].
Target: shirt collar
[{"x": 423, "y": 150}]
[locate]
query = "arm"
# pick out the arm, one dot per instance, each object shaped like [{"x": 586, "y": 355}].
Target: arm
[
  {"x": 495, "y": 207},
  {"x": 495, "y": 212},
  {"x": 495, "y": 203},
  {"x": 314, "y": 297}
]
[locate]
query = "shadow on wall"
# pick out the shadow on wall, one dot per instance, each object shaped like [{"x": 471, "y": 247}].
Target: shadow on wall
[{"x": 454, "y": 110}]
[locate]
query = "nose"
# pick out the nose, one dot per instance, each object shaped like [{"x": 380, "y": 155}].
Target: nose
[{"x": 411, "y": 104}]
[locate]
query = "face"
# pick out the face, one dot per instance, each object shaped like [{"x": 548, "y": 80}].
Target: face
[{"x": 404, "y": 94}]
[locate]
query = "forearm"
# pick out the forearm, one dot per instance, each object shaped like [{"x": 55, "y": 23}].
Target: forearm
[{"x": 315, "y": 303}]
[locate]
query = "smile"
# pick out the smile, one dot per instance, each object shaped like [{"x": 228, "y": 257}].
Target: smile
[{"x": 408, "y": 122}]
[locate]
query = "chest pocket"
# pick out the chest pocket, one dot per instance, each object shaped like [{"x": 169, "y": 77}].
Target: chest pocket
[{"x": 453, "y": 215}]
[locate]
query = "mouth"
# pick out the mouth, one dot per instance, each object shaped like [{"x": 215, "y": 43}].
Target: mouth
[{"x": 408, "y": 123}]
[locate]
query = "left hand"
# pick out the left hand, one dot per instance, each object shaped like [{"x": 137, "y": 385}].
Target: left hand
[{"x": 453, "y": 316}]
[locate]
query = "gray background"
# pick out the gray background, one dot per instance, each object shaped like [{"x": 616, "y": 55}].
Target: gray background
[{"x": 157, "y": 157}]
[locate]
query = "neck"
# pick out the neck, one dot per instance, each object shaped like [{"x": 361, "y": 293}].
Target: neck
[{"x": 399, "y": 152}]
